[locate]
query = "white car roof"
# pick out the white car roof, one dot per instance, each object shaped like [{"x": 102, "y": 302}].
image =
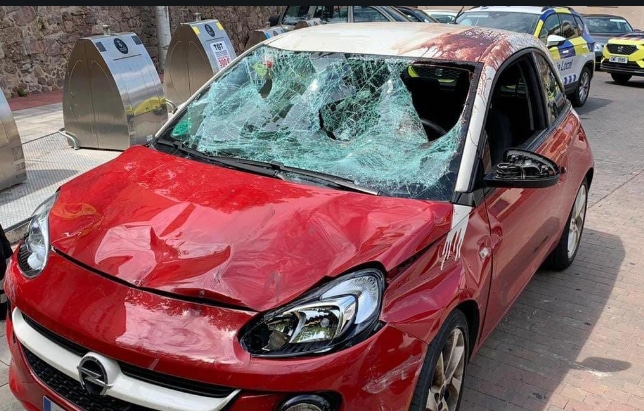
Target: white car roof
[{"x": 408, "y": 39}]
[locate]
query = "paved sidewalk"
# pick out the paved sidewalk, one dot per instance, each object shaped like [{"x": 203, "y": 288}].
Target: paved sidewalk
[{"x": 50, "y": 161}]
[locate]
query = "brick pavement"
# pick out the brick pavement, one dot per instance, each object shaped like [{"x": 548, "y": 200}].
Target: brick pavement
[{"x": 573, "y": 339}]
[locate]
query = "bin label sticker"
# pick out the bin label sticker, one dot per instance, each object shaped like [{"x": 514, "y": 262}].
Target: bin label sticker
[
  {"x": 221, "y": 53},
  {"x": 209, "y": 30},
  {"x": 120, "y": 45}
]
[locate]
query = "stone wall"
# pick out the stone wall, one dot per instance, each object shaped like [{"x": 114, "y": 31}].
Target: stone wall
[{"x": 35, "y": 41}]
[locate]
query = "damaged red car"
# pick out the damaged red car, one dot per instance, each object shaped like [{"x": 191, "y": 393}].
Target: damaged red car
[{"x": 336, "y": 221}]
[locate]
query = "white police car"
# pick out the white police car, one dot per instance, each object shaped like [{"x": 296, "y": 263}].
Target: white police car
[{"x": 560, "y": 28}]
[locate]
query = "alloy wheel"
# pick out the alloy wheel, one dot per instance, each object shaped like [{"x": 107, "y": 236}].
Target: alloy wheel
[
  {"x": 577, "y": 221},
  {"x": 446, "y": 385}
]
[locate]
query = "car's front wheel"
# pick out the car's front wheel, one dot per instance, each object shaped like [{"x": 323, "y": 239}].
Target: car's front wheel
[
  {"x": 566, "y": 250},
  {"x": 582, "y": 91},
  {"x": 440, "y": 384},
  {"x": 620, "y": 78}
]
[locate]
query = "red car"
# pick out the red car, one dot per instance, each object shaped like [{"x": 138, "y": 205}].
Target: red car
[{"x": 336, "y": 221}]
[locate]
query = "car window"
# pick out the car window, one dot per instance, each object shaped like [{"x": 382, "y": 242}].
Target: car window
[
  {"x": 332, "y": 14},
  {"x": 370, "y": 119},
  {"x": 580, "y": 24},
  {"x": 507, "y": 20},
  {"x": 514, "y": 115},
  {"x": 554, "y": 94},
  {"x": 362, "y": 14},
  {"x": 443, "y": 18},
  {"x": 295, "y": 14},
  {"x": 569, "y": 26},
  {"x": 551, "y": 25},
  {"x": 607, "y": 25}
]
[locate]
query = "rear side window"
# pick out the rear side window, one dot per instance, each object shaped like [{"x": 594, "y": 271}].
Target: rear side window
[
  {"x": 332, "y": 14},
  {"x": 569, "y": 26},
  {"x": 555, "y": 97}
]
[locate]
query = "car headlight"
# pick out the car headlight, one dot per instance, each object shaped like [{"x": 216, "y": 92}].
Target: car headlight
[
  {"x": 34, "y": 249},
  {"x": 599, "y": 47},
  {"x": 340, "y": 313}
]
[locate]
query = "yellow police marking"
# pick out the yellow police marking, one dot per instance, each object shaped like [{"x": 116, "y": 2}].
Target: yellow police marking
[
  {"x": 220, "y": 26},
  {"x": 195, "y": 29}
]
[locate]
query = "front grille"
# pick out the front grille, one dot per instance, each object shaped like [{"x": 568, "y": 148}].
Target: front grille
[
  {"x": 622, "y": 49},
  {"x": 631, "y": 65},
  {"x": 71, "y": 390},
  {"x": 143, "y": 374}
]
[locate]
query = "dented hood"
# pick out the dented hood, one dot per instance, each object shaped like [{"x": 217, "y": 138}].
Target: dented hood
[{"x": 175, "y": 225}]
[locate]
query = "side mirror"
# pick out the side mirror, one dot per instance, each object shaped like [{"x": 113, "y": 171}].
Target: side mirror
[
  {"x": 554, "y": 41},
  {"x": 273, "y": 20},
  {"x": 523, "y": 169}
]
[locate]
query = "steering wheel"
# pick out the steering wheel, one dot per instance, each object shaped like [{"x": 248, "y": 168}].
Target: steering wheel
[{"x": 433, "y": 126}]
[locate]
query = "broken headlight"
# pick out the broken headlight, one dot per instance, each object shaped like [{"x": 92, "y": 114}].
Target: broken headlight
[
  {"x": 342, "y": 312},
  {"x": 34, "y": 249}
]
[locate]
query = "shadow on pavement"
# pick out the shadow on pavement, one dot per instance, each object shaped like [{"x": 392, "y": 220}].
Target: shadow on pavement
[
  {"x": 592, "y": 104},
  {"x": 544, "y": 336}
]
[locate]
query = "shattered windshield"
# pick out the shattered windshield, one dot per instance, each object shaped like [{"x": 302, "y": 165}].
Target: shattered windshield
[{"x": 357, "y": 117}]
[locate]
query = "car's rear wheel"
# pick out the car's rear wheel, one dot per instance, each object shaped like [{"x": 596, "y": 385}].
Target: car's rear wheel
[
  {"x": 566, "y": 250},
  {"x": 582, "y": 91},
  {"x": 620, "y": 78},
  {"x": 440, "y": 384}
]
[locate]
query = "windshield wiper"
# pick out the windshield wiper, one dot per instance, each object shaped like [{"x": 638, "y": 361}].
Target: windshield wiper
[
  {"x": 340, "y": 182},
  {"x": 229, "y": 162},
  {"x": 274, "y": 169}
]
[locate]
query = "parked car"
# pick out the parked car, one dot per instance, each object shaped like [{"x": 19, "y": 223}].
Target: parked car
[
  {"x": 604, "y": 27},
  {"x": 443, "y": 16},
  {"x": 337, "y": 220},
  {"x": 561, "y": 29},
  {"x": 624, "y": 57},
  {"x": 291, "y": 15},
  {"x": 414, "y": 14}
]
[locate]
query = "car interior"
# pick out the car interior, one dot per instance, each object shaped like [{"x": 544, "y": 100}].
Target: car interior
[
  {"x": 513, "y": 117},
  {"x": 439, "y": 94}
]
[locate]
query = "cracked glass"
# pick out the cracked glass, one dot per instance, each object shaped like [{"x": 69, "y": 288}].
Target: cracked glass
[{"x": 351, "y": 116}]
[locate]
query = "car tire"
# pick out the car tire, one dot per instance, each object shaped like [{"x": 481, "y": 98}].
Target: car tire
[
  {"x": 620, "y": 78},
  {"x": 580, "y": 95},
  {"x": 566, "y": 250},
  {"x": 435, "y": 390}
]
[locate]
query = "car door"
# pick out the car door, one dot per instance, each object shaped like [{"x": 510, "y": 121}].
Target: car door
[
  {"x": 524, "y": 223},
  {"x": 562, "y": 54},
  {"x": 574, "y": 51}
]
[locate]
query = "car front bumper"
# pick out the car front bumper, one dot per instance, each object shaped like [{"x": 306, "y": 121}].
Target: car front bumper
[{"x": 180, "y": 341}]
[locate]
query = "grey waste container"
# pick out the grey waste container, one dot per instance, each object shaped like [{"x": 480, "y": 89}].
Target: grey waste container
[
  {"x": 12, "y": 159},
  {"x": 113, "y": 97},
  {"x": 197, "y": 51},
  {"x": 259, "y": 35}
]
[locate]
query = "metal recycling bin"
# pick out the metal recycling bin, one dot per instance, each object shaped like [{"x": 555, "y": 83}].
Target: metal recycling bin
[
  {"x": 113, "y": 97},
  {"x": 12, "y": 159},
  {"x": 197, "y": 51},
  {"x": 259, "y": 35}
]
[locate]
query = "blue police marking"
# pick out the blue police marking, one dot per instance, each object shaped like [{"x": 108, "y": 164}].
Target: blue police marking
[{"x": 569, "y": 79}]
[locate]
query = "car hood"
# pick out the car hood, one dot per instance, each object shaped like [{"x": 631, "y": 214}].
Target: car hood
[{"x": 164, "y": 223}]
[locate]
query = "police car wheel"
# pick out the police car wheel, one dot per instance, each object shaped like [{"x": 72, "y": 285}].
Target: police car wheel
[
  {"x": 580, "y": 95},
  {"x": 620, "y": 78}
]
